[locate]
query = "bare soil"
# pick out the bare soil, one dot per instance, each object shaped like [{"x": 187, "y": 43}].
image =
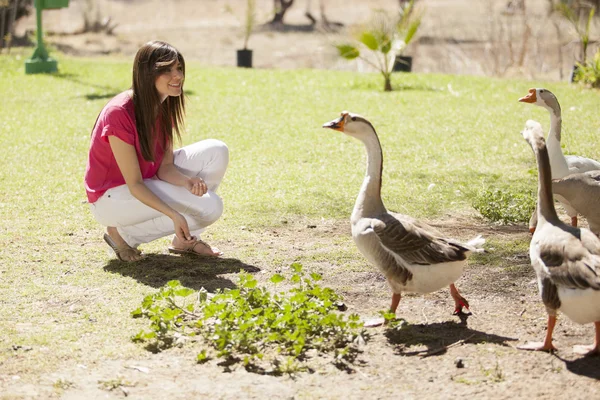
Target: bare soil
[{"x": 437, "y": 355}]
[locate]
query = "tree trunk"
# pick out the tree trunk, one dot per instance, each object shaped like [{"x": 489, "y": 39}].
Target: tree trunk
[
  {"x": 281, "y": 6},
  {"x": 388, "y": 84}
]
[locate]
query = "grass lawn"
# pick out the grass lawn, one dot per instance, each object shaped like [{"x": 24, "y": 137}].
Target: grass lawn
[{"x": 63, "y": 296}]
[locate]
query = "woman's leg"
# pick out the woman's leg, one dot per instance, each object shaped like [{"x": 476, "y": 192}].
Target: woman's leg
[{"x": 137, "y": 223}]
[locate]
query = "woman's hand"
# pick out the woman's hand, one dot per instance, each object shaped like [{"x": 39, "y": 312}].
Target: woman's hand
[
  {"x": 182, "y": 231},
  {"x": 196, "y": 186}
]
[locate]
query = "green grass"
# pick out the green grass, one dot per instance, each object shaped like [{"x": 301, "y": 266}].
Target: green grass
[{"x": 61, "y": 294}]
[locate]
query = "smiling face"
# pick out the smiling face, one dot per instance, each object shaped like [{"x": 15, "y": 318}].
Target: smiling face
[{"x": 170, "y": 80}]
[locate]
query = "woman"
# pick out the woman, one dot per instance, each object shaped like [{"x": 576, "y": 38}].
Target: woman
[{"x": 137, "y": 186}]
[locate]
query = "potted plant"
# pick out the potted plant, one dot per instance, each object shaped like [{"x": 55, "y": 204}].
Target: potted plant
[
  {"x": 244, "y": 55},
  {"x": 409, "y": 21},
  {"x": 581, "y": 26},
  {"x": 385, "y": 37}
]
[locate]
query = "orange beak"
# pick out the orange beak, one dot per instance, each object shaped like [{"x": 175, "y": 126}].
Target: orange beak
[
  {"x": 530, "y": 97},
  {"x": 337, "y": 124}
]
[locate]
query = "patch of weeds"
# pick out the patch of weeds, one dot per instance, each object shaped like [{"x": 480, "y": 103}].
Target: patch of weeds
[
  {"x": 465, "y": 381},
  {"x": 504, "y": 206},
  {"x": 62, "y": 384},
  {"x": 112, "y": 384},
  {"x": 264, "y": 332},
  {"x": 494, "y": 374}
]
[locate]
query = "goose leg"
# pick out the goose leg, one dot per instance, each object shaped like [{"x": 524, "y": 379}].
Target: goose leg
[
  {"x": 574, "y": 220},
  {"x": 459, "y": 301},
  {"x": 395, "y": 301},
  {"x": 547, "y": 345},
  {"x": 593, "y": 349},
  {"x": 381, "y": 321}
]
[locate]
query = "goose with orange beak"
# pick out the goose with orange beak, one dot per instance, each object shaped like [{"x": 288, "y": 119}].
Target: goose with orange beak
[
  {"x": 566, "y": 259},
  {"x": 560, "y": 164},
  {"x": 413, "y": 256}
]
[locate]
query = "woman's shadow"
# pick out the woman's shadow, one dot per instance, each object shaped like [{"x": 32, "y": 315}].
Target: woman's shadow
[{"x": 193, "y": 272}]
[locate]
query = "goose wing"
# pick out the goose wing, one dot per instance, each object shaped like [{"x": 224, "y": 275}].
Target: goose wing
[
  {"x": 569, "y": 258},
  {"x": 416, "y": 242},
  {"x": 581, "y": 164}
]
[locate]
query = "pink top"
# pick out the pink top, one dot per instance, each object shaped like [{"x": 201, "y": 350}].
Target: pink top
[{"x": 102, "y": 172}]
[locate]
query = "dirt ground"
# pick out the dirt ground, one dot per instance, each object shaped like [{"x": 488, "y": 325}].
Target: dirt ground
[{"x": 437, "y": 356}]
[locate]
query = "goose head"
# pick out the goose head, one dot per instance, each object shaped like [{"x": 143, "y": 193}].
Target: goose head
[
  {"x": 534, "y": 134},
  {"x": 352, "y": 125},
  {"x": 543, "y": 98}
]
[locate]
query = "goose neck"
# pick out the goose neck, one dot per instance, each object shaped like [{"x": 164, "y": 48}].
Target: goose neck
[
  {"x": 560, "y": 167},
  {"x": 369, "y": 200},
  {"x": 545, "y": 209}
]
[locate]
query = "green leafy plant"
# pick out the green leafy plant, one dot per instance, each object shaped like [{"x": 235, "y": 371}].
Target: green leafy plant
[
  {"x": 265, "y": 332},
  {"x": 589, "y": 73},
  {"x": 504, "y": 206},
  {"x": 384, "y": 37},
  {"x": 249, "y": 21},
  {"x": 581, "y": 25}
]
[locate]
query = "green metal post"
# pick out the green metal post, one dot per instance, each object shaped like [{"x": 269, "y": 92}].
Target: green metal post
[{"x": 40, "y": 61}]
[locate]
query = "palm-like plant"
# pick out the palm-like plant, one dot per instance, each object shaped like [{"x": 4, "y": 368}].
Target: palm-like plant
[
  {"x": 249, "y": 21},
  {"x": 579, "y": 24},
  {"x": 385, "y": 36}
]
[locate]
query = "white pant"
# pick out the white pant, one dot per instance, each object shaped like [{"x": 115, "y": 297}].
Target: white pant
[{"x": 138, "y": 223}]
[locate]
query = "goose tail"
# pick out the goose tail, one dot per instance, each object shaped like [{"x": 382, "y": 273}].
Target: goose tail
[{"x": 476, "y": 244}]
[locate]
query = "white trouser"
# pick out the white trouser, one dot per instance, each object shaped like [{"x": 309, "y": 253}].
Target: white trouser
[{"x": 138, "y": 223}]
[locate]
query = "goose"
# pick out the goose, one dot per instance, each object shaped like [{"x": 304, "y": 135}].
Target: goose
[
  {"x": 561, "y": 165},
  {"x": 412, "y": 255},
  {"x": 582, "y": 191},
  {"x": 566, "y": 259}
]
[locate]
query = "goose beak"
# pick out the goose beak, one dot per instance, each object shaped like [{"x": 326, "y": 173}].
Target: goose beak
[
  {"x": 337, "y": 124},
  {"x": 529, "y": 98}
]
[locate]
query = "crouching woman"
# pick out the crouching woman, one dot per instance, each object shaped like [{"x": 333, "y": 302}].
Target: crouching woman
[{"x": 137, "y": 185}]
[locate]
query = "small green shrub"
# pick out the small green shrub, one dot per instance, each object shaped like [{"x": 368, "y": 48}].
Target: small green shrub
[
  {"x": 504, "y": 206},
  {"x": 249, "y": 325},
  {"x": 589, "y": 73}
]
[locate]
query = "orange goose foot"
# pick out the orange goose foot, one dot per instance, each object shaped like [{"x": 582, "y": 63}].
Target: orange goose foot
[
  {"x": 589, "y": 350},
  {"x": 537, "y": 346},
  {"x": 459, "y": 301},
  {"x": 372, "y": 323}
]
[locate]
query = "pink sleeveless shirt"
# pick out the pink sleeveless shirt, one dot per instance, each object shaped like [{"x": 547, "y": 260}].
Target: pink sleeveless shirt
[{"x": 102, "y": 172}]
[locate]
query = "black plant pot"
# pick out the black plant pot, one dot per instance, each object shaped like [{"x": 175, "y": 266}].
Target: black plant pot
[
  {"x": 403, "y": 64},
  {"x": 573, "y": 73},
  {"x": 244, "y": 58}
]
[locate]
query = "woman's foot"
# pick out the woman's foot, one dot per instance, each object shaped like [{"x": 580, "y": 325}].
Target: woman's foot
[
  {"x": 123, "y": 251},
  {"x": 199, "y": 248}
]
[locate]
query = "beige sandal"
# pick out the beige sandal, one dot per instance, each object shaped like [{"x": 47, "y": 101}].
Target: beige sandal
[
  {"x": 120, "y": 250},
  {"x": 190, "y": 250}
]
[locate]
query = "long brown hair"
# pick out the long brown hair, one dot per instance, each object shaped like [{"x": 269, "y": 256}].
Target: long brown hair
[{"x": 151, "y": 60}]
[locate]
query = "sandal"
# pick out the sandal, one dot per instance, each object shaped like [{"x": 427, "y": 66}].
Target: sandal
[
  {"x": 119, "y": 250},
  {"x": 190, "y": 250}
]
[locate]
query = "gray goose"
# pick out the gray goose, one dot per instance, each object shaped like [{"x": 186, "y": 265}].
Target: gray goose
[
  {"x": 582, "y": 191},
  {"x": 412, "y": 255},
  {"x": 561, "y": 165},
  {"x": 566, "y": 259}
]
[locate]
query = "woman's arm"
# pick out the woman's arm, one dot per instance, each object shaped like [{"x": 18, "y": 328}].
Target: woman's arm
[
  {"x": 169, "y": 173},
  {"x": 127, "y": 161}
]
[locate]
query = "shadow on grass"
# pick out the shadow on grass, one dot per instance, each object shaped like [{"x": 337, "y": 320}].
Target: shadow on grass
[
  {"x": 438, "y": 337},
  {"x": 585, "y": 366},
  {"x": 103, "y": 91},
  {"x": 195, "y": 273}
]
